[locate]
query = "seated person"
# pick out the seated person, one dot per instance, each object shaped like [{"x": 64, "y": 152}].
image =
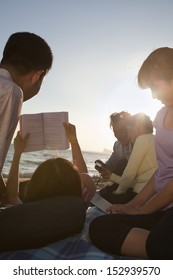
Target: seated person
[
  {"x": 121, "y": 150},
  {"x": 145, "y": 226},
  {"x": 141, "y": 164}
]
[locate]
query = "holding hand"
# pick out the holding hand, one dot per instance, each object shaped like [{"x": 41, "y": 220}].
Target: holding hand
[
  {"x": 101, "y": 168},
  {"x": 70, "y": 130},
  {"x": 20, "y": 143}
]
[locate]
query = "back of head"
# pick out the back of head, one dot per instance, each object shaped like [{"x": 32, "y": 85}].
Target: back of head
[
  {"x": 157, "y": 66},
  {"x": 143, "y": 121},
  {"x": 116, "y": 117},
  {"x": 26, "y": 51},
  {"x": 54, "y": 177}
]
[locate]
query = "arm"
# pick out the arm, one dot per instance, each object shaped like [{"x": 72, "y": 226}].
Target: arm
[
  {"x": 139, "y": 200},
  {"x": 160, "y": 200},
  {"x": 12, "y": 184},
  {"x": 131, "y": 171},
  {"x": 78, "y": 159}
]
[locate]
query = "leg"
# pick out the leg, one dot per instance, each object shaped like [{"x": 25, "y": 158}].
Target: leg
[
  {"x": 159, "y": 243},
  {"x": 114, "y": 232},
  {"x": 135, "y": 236},
  {"x": 36, "y": 224}
]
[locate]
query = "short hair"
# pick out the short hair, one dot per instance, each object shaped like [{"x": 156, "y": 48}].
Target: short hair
[
  {"x": 26, "y": 51},
  {"x": 158, "y": 65},
  {"x": 143, "y": 120},
  {"x": 116, "y": 117},
  {"x": 54, "y": 177}
]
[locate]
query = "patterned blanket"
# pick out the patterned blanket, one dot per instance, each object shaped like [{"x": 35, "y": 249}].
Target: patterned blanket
[{"x": 77, "y": 247}]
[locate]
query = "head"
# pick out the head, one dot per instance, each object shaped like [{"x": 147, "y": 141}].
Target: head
[
  {"x": 54, "y": 177},
  {"x": 156, "y": 73},
  {"x": 28, "y": 58},
  {"x": 118, "y": 125},
  {"x": 139, "y": 124}
]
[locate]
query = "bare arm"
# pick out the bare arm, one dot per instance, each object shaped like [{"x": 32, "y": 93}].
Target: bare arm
[
  {"x": 139, "y": 200},
  {"x": 13, "y": 178},
  {"x": 160, "y": 200},
  {"x": 78, "y": 159}
]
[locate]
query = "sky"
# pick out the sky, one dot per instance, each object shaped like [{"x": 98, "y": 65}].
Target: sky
[{"x": 98, "y": 48}]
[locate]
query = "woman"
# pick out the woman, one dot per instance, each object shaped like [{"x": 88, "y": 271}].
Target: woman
[
  {"x": 54, "y": 177},
  {"x": 147, "y": 230},
  {"x": 141, "y": 164}
]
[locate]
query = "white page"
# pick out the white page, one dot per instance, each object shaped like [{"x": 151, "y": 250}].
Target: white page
[
  {"x": 33, "y": 124},
  {"x": 54, "y": 132},
  {"x": 100, "y": 202}
]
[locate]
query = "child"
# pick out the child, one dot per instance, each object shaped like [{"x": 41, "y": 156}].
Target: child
[{"x": 147, "y": 230}]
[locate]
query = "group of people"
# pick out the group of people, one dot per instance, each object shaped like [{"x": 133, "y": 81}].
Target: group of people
[{"x": 140, "y": 167}]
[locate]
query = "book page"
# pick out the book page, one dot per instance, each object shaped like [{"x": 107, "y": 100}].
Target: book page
[
  {"x": 54, "y": 132},
  {"x": 100, "y": 202},
  {"x": 33, "y": 124}
]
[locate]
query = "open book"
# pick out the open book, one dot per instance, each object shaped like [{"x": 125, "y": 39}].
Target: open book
[
  {"x": 100, "y": 202},
  {"x": 46, "y": 131}
]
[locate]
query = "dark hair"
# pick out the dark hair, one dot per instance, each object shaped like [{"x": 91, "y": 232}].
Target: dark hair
[
  {"x": 158, "y": 65},
  {"x": 116, "y": 117},
  {"x": 26, "y": 52},
  {"x": 143, "y": 120},
  {"x": 54, "y": 177}
]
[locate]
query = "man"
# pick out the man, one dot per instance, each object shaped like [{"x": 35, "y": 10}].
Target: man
[{"x": 26, "y": 60}]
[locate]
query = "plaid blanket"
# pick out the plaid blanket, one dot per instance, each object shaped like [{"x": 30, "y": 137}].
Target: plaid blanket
[{"x": 77, "y": 247}]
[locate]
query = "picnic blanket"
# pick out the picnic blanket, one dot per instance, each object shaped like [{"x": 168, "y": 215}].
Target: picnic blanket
[{"x": 76, "y": 247}]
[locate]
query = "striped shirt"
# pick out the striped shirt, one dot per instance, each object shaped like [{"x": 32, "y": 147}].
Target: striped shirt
[{"x": 11, "y": 98}]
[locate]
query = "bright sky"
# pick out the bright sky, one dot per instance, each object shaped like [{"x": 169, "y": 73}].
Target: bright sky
[{"x": 98, "y": 48}]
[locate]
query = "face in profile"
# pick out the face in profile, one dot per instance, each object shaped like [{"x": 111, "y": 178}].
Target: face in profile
[
  {"x": 120, "y": 132},
  {"x": 32, "y": 89}
]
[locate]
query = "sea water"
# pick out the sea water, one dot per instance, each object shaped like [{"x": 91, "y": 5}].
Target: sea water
[{"x": 30, "y": 161}]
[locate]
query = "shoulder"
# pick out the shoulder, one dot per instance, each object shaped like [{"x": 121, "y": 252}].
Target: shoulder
[
  {"x": 10, "y": 90},
  {"x": 117, "y": 145},
  {"x": 144, "y": 139},
  {"x": 160, "y": 115}
]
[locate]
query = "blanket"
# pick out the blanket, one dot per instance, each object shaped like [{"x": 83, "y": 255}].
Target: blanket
[{"x": 76, "y": 247}]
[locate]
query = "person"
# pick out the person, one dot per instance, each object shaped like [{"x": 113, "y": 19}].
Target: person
[
  {"x": 145, "y": 229},
  {"x": 141, "y": 164},
  {"x": 26, "y": 60},
  {"x": 55, "y": 176},
  {"x": 122, "y": 148}
]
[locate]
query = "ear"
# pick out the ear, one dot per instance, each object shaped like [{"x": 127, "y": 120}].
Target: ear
[{"x": 36, "y": 76}]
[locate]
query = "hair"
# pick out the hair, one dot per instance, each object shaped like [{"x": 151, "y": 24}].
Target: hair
[
  {"x": 26, "y": 51},
  {"x": 54, "y": 177},
  {"x": 116, "y": 117},
  {"x": 158, "y": 65},
  {"x": 143, "y": 120}
]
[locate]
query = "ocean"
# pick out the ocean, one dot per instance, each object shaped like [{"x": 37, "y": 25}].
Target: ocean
[{"x": 30, "y": 161}]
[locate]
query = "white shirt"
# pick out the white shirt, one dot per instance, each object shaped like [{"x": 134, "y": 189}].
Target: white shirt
[{"x": 11, "y": 98}]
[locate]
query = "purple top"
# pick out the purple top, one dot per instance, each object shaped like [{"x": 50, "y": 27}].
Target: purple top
[{"x": 164, "y": 151}]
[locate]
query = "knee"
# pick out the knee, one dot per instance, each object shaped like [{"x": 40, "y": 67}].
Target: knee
[{"x": 159, "y": 246}]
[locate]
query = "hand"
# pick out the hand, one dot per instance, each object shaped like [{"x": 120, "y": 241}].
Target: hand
[
  {"x": 106, "y": 173},
  {"x": 124, "y": 209},
  {"x": 20, "y": 143},
  {"x": 70, "y": 130}
]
